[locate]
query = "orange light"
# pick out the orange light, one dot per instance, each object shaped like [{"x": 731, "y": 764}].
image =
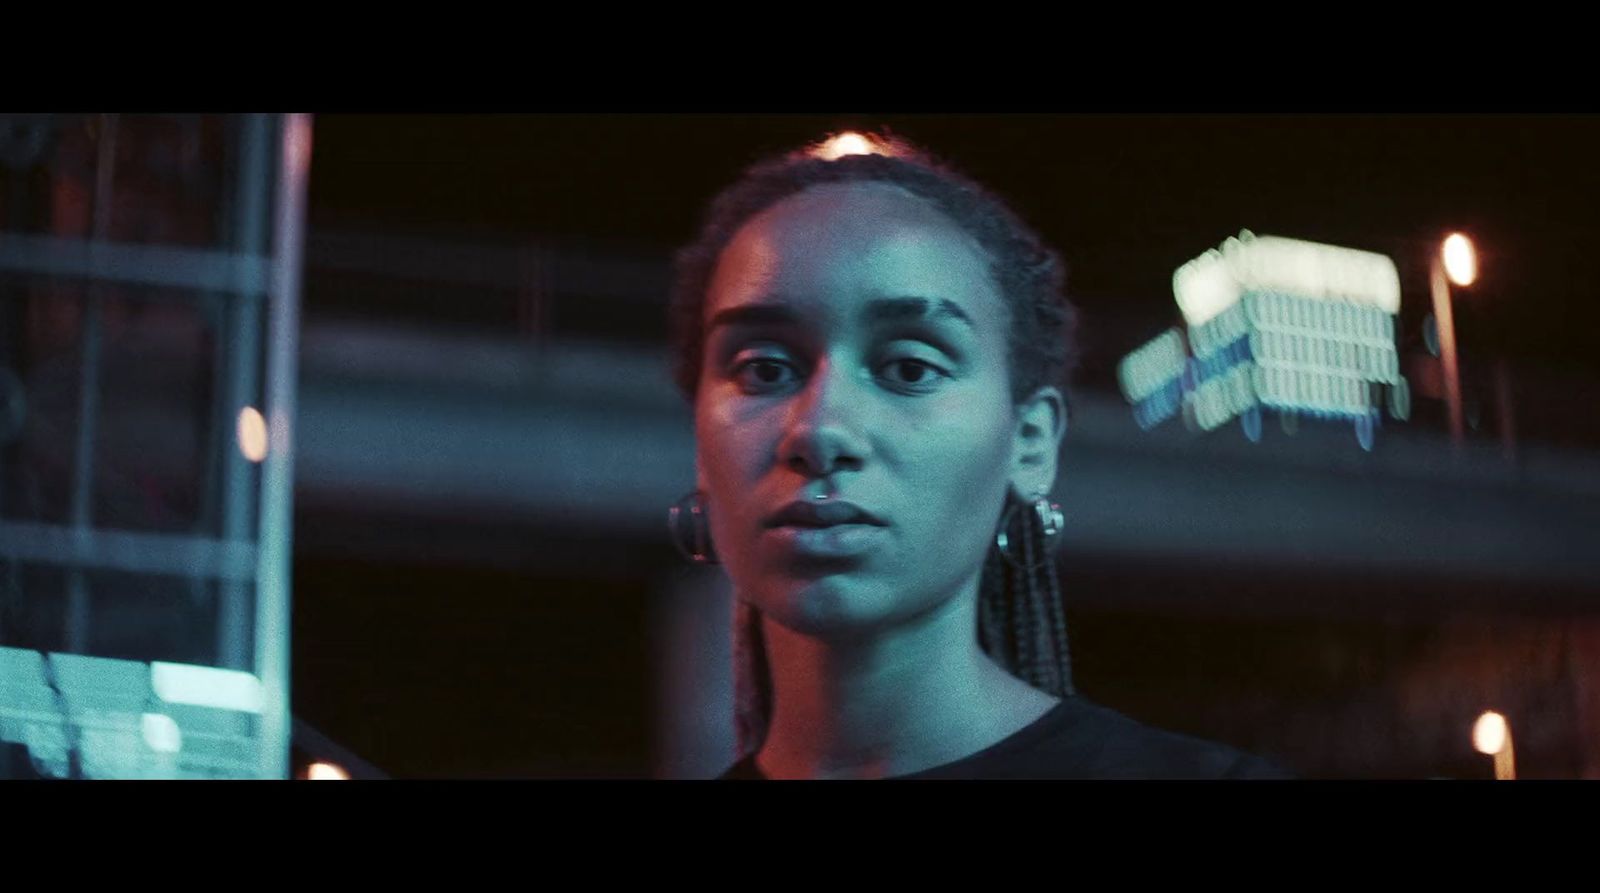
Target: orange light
[
  {"x": 252, "y": 434},
  {"x": 1489, "y": 733},
  {"x": 326, "y": 772},
  {"x": 848, "y": 143},
  {"x": 1460, "y": 260}
]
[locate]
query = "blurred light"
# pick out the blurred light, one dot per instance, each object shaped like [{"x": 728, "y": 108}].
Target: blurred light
[
  {"x": 252, "y": 434},
  {"x": 23, "y": 685},
  {"x": 206, "y": 687},
  {"x": 1211, "y": 283},
  {"x": 1489, "y": 733},
  {"x": 1460, "y": 260},
  {"x": 300, "y": 142},
  {"x": 1150, "y": 367},
  {"x": 326, "y": 772},
  {"x": 848, "y": 143},
  {"x": 106, "y": 684},
  {"x": 1223, "y": 397},
  {"x": 1204, "y": 287},
  {"x": 1400, "y": 400},
  {"x": 161, "y": 733}
]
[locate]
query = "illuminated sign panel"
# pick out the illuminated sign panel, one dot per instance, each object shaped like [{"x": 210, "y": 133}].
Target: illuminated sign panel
[
  {"x": 1218, "y": 279},
  {"x": 1151, "y": 377},
  {"x": 126, "y": 719},
  {"x": 183, "y": 552},
  {"x": 1295, "y": 327}
]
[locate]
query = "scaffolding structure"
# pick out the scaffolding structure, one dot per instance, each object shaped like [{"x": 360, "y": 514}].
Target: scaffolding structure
[{"x": 89, "y": 686}]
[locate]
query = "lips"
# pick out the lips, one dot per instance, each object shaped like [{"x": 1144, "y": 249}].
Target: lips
[
  {"x": 824, "y": 537},
  {"x": 821, "y": 515}
]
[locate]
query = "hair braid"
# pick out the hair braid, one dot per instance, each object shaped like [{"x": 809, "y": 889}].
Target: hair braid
[
  {"x": 1058, "y": 627},
  {"x": 992, "y": 627},
  {"x": 1022, "y": 620},
  {"x": 1027, "y": 615}
]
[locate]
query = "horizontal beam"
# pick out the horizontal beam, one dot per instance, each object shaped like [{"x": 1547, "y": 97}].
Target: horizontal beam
[
  {"x": 193, "y": 268},
  {"x": 591, "y": 440},
  {"x": 142, "y": 553}
]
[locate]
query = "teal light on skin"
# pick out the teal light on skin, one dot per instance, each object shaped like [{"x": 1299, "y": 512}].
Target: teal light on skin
[{"x": 857, "y": 345}]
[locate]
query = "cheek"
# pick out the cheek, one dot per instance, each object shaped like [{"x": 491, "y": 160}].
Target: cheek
[
  {"x": 732, "y": 448},
  {"x": 953, "y": 472},
  {"x": 957, "y": 467}
]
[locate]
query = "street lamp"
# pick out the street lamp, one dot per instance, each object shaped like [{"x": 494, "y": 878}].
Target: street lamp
[
  {"x": 1492, "y": 737},
  {"x": 1456, "y": 261},
  {"x": 325, "y": 771},
  {"x": 1460, "y": 260},
  {"x": 847, "y": 143}
]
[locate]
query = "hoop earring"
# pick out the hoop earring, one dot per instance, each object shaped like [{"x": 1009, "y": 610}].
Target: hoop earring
[
  {"x": 689, "y": 528},
  {"x": 1051, "y": 522}
]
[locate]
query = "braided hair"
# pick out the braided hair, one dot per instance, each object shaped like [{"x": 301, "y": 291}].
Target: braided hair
[{"x": 1021, "y": 619}]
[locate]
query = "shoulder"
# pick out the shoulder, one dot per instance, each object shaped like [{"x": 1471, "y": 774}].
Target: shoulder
[
  {"x": 1079, "y": 739},
  {"x": 1128, "y": 748}
]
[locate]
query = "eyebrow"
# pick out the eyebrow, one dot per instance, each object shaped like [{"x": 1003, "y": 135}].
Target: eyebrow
[{"x": 878, "y": 310}]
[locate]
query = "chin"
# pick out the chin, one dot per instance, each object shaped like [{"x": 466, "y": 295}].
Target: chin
[
  {"x": 837, "y": 607},
  {"x": 826, "y": 607}
]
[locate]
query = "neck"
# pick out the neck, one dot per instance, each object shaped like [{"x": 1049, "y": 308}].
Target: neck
[{"x": 874, "y": 706}]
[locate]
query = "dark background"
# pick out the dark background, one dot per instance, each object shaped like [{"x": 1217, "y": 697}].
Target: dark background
[
  {"x": 486, "y": 437},
  {"x": 540, "y": 665}
]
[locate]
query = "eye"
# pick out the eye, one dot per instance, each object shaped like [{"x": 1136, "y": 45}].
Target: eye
[
  {"x": 912, "y": 374},
  {"x": 763, "y": 374}
]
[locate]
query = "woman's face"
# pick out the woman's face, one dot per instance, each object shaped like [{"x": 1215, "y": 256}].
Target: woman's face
[{"x": 856, "y": 347}]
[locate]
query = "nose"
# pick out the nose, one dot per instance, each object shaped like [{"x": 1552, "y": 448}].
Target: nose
[{"x": 824, "y": 433}]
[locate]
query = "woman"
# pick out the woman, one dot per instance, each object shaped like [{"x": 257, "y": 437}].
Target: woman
[{"x": 876, "y": 350}]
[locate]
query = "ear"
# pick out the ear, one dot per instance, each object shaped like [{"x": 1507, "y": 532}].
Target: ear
[{"x": 1036, "y": 442}]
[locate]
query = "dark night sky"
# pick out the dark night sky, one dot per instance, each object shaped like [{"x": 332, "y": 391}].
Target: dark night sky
[{"x": 1127, "y": 198}]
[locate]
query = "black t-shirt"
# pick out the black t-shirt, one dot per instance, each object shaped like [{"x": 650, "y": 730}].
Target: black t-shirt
[{"x": 1078, "y": 739}]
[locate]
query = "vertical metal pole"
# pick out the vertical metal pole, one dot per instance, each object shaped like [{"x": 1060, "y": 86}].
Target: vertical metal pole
[
  {"x": 1505, "y": 761},
  {"x": 277, "y": 479},
  {"x": 1445, "y": 320},
  {"x": 1507, "y": 411},
  {"x": 216, "y": 437},
  {"x": 1583, "y": 665},
  {"x": 89, "y": 392},
  {"x": 532, "y": 290},
  {"x": 240, "y": 346}
]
